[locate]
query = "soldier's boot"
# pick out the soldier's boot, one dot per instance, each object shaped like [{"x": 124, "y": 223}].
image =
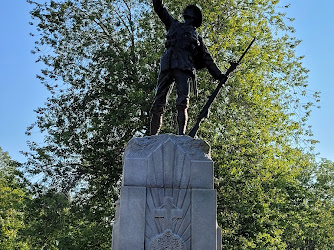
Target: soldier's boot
[
  {"x": 182, "y": 119},
  {"x": 156, "y": 121}
]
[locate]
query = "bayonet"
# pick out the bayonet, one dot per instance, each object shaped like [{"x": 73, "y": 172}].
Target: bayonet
[{"x": 205, "y": 110}]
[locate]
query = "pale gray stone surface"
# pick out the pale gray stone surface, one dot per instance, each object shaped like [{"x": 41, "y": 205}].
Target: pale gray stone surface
[
  {"x": 115, "y": 228},
  {"x": 202, "y": 174},
  {"x": 196, "y": 149},
  {"x": 203, "y": 219},
  {"x": 135, "y": 172},
  {"x": 168, "y": 161},
  {"x": 132, "y": 218},
  {"x": 219, "y": 238},
  {"x": 167, "y": 240},
  {"x": 167, "y": 196},
  {"x": 168, "y": 209}
]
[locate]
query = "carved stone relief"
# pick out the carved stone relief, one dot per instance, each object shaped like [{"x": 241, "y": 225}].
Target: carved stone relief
[
  {"x": 167, "y": 210},
  {"x": 167, "y": 241}
]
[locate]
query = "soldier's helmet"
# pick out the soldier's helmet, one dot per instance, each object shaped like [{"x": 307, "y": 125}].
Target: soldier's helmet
[{"x": 194, "y": 12}]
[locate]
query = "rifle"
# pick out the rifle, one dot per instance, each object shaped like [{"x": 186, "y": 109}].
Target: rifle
[{"x": 205, "y": 110}]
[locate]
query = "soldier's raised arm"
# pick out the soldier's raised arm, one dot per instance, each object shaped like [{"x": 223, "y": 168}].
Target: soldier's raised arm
[{"x": 163, "y": 13}]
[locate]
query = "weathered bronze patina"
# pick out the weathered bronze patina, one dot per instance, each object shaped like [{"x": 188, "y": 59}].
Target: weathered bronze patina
[{"x": 185, "y": 52}]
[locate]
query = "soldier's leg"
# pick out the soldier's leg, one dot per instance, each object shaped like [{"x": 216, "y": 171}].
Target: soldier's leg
[
  {"x": 160, "y": 100},
  {"x": 182, "y": 79},
  {"x": 182, "y": 120}
]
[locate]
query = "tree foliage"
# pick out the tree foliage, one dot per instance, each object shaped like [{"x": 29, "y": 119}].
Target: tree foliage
[
  {"x": 12, "y": 204},
  {"x": 101, "y": 62}
]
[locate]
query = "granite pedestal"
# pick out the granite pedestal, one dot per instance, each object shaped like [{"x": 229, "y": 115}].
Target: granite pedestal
[{"x": 167, "y": 197}]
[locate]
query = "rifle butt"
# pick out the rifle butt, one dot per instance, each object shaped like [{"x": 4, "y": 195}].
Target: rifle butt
[{"x": 194, "y": 130}]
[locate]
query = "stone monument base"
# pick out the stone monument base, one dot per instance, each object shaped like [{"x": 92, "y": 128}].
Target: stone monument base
[{"x": 167, "y": 198}]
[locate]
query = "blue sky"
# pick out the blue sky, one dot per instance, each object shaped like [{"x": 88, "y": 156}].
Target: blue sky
[{"x": 21, "y": 92}]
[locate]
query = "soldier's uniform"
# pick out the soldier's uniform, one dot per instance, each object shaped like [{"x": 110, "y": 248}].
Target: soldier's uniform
[{"x": 185, "y": 52}]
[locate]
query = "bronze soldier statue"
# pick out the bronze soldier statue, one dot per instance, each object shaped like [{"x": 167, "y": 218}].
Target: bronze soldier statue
[{"x": 185, "y": 52}]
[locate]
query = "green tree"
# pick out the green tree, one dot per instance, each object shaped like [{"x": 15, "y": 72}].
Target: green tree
[
  {"x": 101, "y": 81},
  {"x": 55, "y": 221},
  {"x": 12, "y": 203}
]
